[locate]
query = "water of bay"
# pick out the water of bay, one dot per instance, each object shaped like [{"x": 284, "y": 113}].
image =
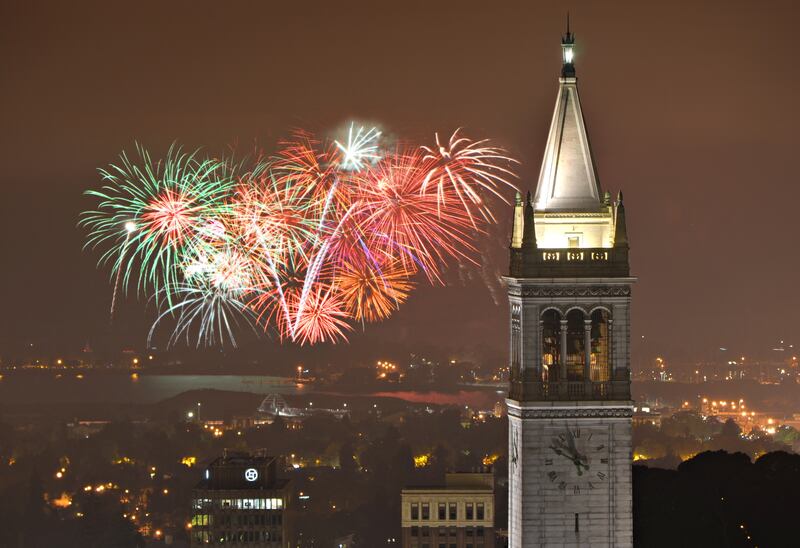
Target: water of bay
[{"x": 116, "y": 387}]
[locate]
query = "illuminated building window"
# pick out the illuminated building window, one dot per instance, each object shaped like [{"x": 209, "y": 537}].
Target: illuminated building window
[
  {"x": 415, "y": 511},
  {"x": 453, "y": 511},
  {"x": 470, "y": 510},
  {"x": 573, "y": 241},
  {"x": 426, "y": 511}
]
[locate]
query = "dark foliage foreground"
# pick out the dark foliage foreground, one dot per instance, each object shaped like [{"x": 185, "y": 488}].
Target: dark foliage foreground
[{"x": 719, "y": 499}]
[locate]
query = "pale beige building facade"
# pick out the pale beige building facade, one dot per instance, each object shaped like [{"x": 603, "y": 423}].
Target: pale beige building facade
[{"x": 459, "y": 514}]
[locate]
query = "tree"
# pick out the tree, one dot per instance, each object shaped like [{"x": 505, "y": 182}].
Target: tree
[{"x": 347, "y": 458}]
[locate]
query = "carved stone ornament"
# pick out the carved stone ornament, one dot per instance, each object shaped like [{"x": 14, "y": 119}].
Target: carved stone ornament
[{"x": 589, "y": 291}]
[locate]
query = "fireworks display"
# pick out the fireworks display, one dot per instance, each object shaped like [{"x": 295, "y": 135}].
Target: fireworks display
[{"x": 307, "y": 243}]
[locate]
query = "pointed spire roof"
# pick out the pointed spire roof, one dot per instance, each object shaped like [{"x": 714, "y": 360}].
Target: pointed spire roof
[
  {"x": 519, "y": 221},
  {"x": 620, "y": 226},
  {"x": 568, "y": 178}
]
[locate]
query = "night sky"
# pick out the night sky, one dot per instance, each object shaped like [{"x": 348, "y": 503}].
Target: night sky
[{"x": 691, "y": 108}]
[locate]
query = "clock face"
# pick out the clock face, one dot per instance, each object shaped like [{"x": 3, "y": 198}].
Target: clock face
[{"x": 576, "y": 459}]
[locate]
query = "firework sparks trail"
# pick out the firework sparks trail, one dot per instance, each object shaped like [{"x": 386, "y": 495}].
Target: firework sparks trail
[
  {"x": 305, "y": 243},
  {"x": 129, "y": 228},
  {"x": 360, "y": 149},
  {"x": 467, "y": 167}
]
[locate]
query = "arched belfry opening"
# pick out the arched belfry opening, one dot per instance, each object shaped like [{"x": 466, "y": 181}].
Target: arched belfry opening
[
  {"x": 576, "y": 345},
  {"x": 600, "y": 362},
  {"x": 551, "y": 345},
  {"x": 575, "y": 350}
]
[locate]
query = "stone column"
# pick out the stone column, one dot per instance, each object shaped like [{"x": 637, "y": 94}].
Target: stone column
[
  {"x": 610, "y": 346},
  {"x": 562, "y": 373},
  {"x": 621, "y": 341},
  {"x": 540, "y": 350},
  {"x": 587, "y": 343},
  {"x": 587, "y": 356}
]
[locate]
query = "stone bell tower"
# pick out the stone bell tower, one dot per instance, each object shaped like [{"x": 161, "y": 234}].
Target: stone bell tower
[{"x": 569, "y": 405}]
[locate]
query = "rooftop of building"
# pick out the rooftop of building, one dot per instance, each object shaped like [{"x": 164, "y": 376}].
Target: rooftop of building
[
  {"x": 239, "y": 470},
  {"x": 482, "y": 480}
]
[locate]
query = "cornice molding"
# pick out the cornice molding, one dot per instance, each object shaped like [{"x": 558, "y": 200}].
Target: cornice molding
[
  {"x": 555, "y": 291},
  {"x": 571, "y": 412}
]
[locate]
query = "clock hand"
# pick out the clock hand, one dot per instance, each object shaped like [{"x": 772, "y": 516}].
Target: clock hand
[{"x": 571, "y": 439}]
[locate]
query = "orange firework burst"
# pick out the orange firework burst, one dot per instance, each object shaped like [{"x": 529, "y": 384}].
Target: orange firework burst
[
  {"x": 323, "y": 318},
  {"x": 372, "y": 291}
]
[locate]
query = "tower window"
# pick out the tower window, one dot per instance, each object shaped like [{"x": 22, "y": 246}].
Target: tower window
[{"x": 573, "y": 241}]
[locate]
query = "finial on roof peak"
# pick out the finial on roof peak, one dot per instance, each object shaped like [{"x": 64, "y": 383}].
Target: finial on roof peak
[{"x": 567, "y": 43}]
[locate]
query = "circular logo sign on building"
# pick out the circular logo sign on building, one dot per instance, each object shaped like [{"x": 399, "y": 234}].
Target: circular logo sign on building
[{"x": 251, "y": 474}]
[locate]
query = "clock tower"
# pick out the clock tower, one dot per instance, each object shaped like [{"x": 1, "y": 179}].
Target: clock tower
[{"x": 569, "y": 405}]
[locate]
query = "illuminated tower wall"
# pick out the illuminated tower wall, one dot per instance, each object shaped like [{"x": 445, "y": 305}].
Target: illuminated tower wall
[{"x": 569, "y": 402}]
